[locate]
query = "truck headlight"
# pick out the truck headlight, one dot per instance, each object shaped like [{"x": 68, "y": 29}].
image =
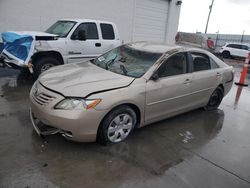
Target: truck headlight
[{"x": 77, "y": 104}]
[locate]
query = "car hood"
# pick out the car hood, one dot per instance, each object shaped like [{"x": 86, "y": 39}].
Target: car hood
[
  {"x": 37, "y": 35},
  {"x": 34, "y": 33},
  {"x": 82, "y": 79}
]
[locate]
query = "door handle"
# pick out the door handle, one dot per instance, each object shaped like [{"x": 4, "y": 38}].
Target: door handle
[
  {"x": 74, "y": 53},
  {"x": 218, "y": 74},
  {"x": 98, "y": 44},
  {"x": 187, "y": 81}
]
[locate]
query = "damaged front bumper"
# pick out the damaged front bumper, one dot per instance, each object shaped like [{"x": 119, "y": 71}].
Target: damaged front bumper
[
  {"x": 45, "y": 130},
  {"x": 10, "y": 63},
  {"x": 7, "y": 62}
]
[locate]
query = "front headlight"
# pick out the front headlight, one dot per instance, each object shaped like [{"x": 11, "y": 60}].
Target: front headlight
[{"x": 77, "y": 104}]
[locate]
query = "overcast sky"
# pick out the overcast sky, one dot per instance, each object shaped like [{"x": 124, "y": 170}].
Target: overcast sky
[{"x": 227, "y": 17}]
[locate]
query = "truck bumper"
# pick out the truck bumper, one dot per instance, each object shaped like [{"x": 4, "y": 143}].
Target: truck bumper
[{"x": 6, "y": 63}]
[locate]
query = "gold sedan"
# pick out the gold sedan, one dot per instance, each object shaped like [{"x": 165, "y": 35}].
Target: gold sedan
[{"x": 128, "y": 87}]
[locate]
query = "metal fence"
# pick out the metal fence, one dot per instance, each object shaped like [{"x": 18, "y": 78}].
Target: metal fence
[{"x": 221, "y": 39}]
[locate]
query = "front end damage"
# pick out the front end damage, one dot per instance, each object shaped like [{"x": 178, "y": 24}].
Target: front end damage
[
  {"x": 19, "y": 47},
  {"x": 45, "y": 130}
]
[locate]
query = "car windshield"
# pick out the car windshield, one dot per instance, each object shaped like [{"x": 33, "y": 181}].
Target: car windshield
[
  {"x": 127, "y": 61},
  {"x": 61, "y": 28}
]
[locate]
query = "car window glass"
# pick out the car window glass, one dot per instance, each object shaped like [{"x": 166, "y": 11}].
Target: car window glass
[
  {"x": 238, "y": 46},
  {"x": 200, "y": 62},
  {"x": 107, "y": 32},
  {"x": 244, "y": 47},
  {"x": 235, "y": 46},
  {"x": 175, "y": 65},
  {"x": 90, "y": 30},
  {"x": 213, "y": 64}
]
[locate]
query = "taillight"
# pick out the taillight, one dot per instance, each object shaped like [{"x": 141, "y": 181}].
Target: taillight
[{"x": 210, "y": 43}]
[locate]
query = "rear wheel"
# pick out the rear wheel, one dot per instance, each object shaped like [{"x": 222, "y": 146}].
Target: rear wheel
[
  {"x": 117, "y": 125},
  {"x": 43, "y": 64},
  {"x": 215, "y": 99},
  {"x": 226, "y": 54}
]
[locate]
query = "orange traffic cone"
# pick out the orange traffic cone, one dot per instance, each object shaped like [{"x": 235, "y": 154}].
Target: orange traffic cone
[
  {"x": 244, "y": 72},
  {"x": 237, "y": 97}
]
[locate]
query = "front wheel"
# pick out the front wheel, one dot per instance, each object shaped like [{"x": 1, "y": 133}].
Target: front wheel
[
  {"x": 215, "y": 99},
  {"x": 117, "y": 125},
  {"x": 43, "y": 64}
]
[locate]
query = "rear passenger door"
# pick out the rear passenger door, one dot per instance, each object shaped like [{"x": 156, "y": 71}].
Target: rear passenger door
[
  {"x": 236, "y": 50},
  {"x": 244, "y": 51},
  {"x": 206, "y": 77}
]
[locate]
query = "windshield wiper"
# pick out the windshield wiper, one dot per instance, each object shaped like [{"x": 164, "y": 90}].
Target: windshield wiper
[
  {"x": 124, "y": 70},
  {"x": 110, "y": 62}
]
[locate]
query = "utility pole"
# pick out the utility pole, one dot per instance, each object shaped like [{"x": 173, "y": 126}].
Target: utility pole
[
  {"x": 210, "y": 10},
  {"x": 242, "y": 36}
]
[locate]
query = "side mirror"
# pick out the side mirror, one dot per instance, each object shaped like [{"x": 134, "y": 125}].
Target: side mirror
[
  {"x": 154, "y": 77},
  {"x": 82, "y": 35}
]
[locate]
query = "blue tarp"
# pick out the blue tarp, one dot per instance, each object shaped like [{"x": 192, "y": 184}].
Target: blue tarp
[{"x": 17, "y": 46}]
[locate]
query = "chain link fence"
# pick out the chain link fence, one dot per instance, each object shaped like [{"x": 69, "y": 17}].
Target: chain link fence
[{"x": 221, "y": 39}]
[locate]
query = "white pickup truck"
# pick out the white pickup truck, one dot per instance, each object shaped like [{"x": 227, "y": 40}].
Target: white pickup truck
[{"x": 66, "y": 41}]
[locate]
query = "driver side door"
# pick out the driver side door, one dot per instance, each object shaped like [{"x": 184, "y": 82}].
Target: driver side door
[
  {"x": 170, "y": 93},
  {"x": 79, "y": 50}
]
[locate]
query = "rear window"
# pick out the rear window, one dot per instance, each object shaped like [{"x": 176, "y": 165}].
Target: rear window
[{"x": 107, "y": 31}]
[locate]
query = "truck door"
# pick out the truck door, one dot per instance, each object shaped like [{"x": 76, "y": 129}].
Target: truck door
[
  {"x": 109, "y": 37},
  {"x": 90, "y": 48}
]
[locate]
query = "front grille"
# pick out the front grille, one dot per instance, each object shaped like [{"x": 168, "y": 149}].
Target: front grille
[{"x": 41, "y": 97}]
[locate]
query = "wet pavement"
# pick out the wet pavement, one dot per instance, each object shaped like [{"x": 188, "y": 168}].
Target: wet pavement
[{"x": 196, "y": 149}]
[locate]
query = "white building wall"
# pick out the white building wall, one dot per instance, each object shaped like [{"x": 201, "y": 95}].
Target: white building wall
[{"x": 38, "y": 15}]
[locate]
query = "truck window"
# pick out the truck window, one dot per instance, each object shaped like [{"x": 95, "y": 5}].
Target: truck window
[
  {"x": 90, "y": 30},
  {"x": 107, "y": 31}
]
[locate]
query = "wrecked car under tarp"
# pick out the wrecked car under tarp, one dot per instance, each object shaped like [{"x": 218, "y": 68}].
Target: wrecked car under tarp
[{"x": 18, "y": 47}]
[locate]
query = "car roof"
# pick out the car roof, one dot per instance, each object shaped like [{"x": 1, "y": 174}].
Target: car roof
[
  {"x": 84, "y": 20},
  {"x": 238, "y": 43},
  {"x": 161, "y": 47}
]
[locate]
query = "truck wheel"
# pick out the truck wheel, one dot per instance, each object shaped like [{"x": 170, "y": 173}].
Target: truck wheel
[{"x": 43, "y": 64}]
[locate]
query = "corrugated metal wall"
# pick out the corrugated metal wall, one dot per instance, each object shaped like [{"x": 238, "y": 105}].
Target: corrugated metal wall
[{"x": 38, "y": 15}]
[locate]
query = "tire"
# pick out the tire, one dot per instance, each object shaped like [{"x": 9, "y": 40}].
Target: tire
[
  {"x": 43, "y": 64},
  {"x": 113, "y": 129},
  {"x": 215, "y": 99},
  {"x": 226, "y": 54}
]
